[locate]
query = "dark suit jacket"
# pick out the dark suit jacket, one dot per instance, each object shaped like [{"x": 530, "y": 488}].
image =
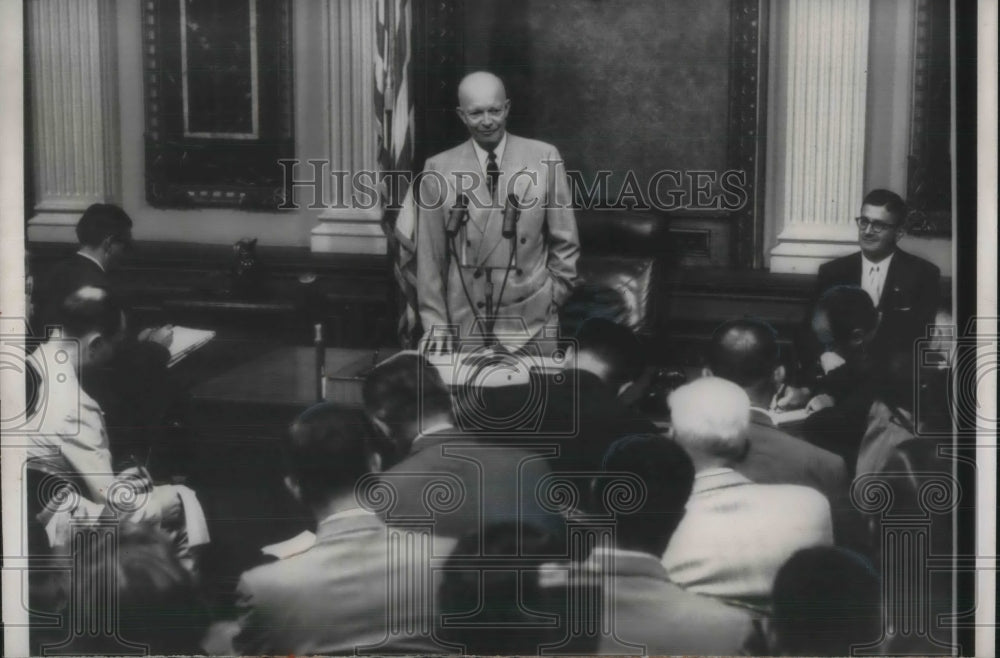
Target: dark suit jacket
[
  {"x": 909, "y": 297},
  {"x": 461, "y": 483},
  {"x": 65, "y": 278},
  {"x": 776, "y": 457},
  {"x": 576, "y": 411}
]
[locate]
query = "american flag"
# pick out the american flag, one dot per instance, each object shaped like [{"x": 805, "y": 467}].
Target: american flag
[{"x": 394, "y": 117}]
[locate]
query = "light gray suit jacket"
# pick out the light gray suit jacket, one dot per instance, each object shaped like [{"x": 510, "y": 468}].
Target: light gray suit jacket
[
  {"x": 654, "y": 616},
  {"x": 334, "y": 597},
  {"x": 546, "y": 245},
  {"x": 735, "y": 535}
]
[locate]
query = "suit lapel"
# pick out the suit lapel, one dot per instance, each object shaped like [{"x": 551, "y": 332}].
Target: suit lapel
[
  {"x": 894, "y": 277},
  {"x": 853, "y": 276}
]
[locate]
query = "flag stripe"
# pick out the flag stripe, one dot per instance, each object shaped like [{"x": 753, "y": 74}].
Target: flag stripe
[{"x": 394, "y": 121}]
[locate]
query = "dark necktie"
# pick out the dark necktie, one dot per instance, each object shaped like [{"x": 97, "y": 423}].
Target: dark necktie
[{"x": 492, "y": 172}]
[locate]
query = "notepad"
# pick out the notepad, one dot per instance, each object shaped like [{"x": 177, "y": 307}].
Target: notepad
[{"x": 185, "y": 341}]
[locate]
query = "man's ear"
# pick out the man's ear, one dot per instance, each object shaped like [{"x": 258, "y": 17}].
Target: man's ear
[
  {"x": 293, "y": 487},
  {"x": 779, "y": 375},
  {"x": 706, "y": 372},
  {"x": 93, "y": 345},
  {"x": 374, "y": 462}
]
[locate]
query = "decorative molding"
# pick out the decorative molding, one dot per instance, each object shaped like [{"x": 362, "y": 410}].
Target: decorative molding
[
  {"x": 747, "y": 123},
  {"x": 243, "y": 170},
  {"x": 929, "y": 162},
  {"x": 73, "y": 88}
]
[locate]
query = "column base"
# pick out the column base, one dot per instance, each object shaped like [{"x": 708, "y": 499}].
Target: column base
[
  {"x": 353, "y": 232},
  {"x": 53, "y": 227},
  {"x": 806, "y": 257},
  {"x": 802, "y": 248}
]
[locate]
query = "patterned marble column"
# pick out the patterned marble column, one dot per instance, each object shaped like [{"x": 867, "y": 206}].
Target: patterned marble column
[
  {"x": 350, "y": 225},
  {"x": 823, "y": 80},
  {"x": 73, "y": 99}
]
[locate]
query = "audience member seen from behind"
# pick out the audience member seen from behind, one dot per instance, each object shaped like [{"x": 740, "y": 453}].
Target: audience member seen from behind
[
  {"x": 521, "y": 605},
  {"x": 914, "y": 403},
  {"x": 649, "y": 611},
  {"x": 746, "y": 352},
  {"x": 582, "y": 409},
  {"x": 158, "y": 604},
  {"x": 826, "y": 602},
  {"x": 333, "y": 597},
  {"x": 735, "y": 534},
  {"x": 424, "y": 453}
]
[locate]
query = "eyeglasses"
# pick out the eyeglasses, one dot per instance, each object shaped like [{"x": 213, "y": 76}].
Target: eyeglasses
[{"x": 876, "y": 225}]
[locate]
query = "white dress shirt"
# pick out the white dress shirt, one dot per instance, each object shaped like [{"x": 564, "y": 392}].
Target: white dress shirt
[
  {"x": 91, "y": 259},
  {"x": 873, "y": 276}
]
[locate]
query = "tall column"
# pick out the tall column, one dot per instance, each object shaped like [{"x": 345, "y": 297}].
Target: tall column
[
  {"x": 348, "y": 224},
  {"x": 821, "y": 98},
  {"x": 73, "y": 98}
]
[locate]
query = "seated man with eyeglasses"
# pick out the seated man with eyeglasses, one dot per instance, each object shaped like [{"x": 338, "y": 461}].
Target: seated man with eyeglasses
[{"x": 904, "y": 288}]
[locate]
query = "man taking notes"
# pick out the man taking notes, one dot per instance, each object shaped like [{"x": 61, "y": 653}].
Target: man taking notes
[{"x": 490, "y": 260}]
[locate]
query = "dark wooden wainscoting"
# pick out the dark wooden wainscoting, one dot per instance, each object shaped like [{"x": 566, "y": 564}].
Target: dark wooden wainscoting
[{"x": 192, "y": 285}]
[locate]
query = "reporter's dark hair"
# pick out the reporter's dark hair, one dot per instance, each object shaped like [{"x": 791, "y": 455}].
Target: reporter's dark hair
[
  {"x": 327, "y": 450},
  {"x": 614, "y": 344},
  {"x": 399, "y": 390},
  {"x": 89, "y": 309},
  {"x": 826, "y": 599},
  {"x": 158, "y": 600},
  {"x": 512, "y": 596},
  {"x": 847, "y": 308},
  {"x": 666, "y": 474},
  {"x": 103, "y": 220}
]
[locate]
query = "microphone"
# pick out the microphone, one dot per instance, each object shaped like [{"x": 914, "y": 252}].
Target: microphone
[
  {"x": 457, "y": 216},
  {"x": 511, "y": 215}
]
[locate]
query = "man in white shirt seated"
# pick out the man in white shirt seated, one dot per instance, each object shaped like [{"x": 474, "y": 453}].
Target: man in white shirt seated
[
  {"x": 648, "y": 612},
  {"x": 71, "y": 441},
  {"x": 735, "y": 534}
]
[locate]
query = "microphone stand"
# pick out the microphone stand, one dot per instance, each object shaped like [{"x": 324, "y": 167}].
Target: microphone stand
[{"x": 491, "y": 318}]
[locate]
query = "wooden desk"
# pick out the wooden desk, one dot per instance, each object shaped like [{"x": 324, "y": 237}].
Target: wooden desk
[{"x": 285, "y": 376}]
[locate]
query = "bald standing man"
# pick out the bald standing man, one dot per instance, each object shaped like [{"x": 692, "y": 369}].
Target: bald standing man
[{"x": 471, "y": 266}]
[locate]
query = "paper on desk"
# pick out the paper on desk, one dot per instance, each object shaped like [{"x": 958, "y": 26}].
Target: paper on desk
[{"x": 185, "y": 341}]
